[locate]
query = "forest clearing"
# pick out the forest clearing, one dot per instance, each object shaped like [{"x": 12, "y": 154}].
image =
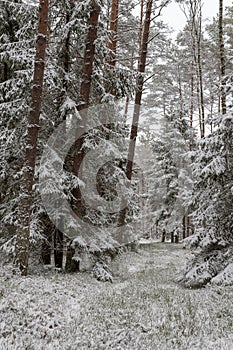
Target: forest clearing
[{"x": 142, "y": 309}]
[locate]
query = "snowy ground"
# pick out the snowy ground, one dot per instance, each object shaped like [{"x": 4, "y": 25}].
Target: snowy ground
[{"x": 142, "y": 309}]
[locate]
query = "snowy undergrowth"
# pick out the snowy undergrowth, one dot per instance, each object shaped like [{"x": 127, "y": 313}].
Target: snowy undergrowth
[
  {"x": 142, "y": 309},
  {"x": 209, "y": 266}
]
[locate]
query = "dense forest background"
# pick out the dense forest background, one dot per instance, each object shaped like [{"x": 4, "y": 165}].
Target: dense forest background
[{"x": 83, "y": 78}]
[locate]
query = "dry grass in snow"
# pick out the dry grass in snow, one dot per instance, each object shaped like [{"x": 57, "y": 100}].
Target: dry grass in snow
[{"x": 142, "y": 309}]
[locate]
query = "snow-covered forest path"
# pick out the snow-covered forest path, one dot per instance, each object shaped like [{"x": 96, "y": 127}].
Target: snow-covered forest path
[{"x": 142, "y": 309}]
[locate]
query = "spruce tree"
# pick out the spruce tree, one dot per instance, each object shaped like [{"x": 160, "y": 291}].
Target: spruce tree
[{"x": 17, "y": 37}]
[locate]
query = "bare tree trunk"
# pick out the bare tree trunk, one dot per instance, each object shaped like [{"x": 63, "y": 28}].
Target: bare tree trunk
[
  {"x": 126, "y": 108},
  {"x": 140, "y": 30},
  {"x": 222, "y": 58},
  {"x": 46, "y": 252},
  {"x": 188, "y": 225},
  {"x": 58, "y": 236},
  {"x": 127, "y": 97},
  {"x": 219, "y": 104},
  {"x": 5, "y": 71},
  {"x": 137, "y": 103},
  {"x": 181, "y": 104},
  {"x": 22, "y": 239},
  {"x": 163, "y": 236},
  {"x": 184, "y": 227},
  {"x": 199, "y": 34},
  {"x": 85, "y": 89},
  {"x": 58, "y": 248},
  {"x": 195, "y": 13},
  {"x": 211, "y": 108},
  {"x": 172, "y": 237},
  {"x": 192, "y": 96},
  {"x": 164, "y": 107},
  {"x": 71, "y": 264},
  {"x": 139, "y": 53},
  {"x": 113, "y": 28}
]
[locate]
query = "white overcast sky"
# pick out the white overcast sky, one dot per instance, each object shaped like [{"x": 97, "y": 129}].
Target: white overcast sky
[
  {"x": 173, "y": 15},
  {"x": 176, "y": 19}
]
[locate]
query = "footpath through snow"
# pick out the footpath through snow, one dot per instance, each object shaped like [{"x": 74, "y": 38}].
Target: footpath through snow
[{"x": 142, "y": 309}]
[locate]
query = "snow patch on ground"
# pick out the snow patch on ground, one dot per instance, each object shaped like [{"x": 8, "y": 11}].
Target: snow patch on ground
[{"x": 142, "y": 309}]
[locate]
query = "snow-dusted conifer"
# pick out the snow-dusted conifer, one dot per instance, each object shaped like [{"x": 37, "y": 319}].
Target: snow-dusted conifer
[{"x": 17, "y": 36}]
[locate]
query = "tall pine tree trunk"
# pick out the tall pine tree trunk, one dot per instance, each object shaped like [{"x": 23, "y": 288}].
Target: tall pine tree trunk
[
  {"x": 85, "y": 90},
  {"x": 200, "y": 76},
  {"x": 222, "y": 58},
  {"x": 23, "y": 235},
  {"x": 139, "y": 53},
  {"x": 137, "y": 103},
  {"x": 181, "y": 104},
  {"x": 191, "y": 109},
  {"x": 113, "y": 28},
  {"x": 140, "y": 30},
  {"x": 195, "y": 13}
]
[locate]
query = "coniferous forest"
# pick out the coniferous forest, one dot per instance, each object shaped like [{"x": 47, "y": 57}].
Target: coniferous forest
[{"x": 116, "y": 145}]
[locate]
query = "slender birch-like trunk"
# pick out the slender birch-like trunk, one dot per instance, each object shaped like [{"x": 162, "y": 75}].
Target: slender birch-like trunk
[
  {"x": 200, "y": 75},
  {"x": 222, "y": 58},
  {"x": 58, "y": 236},
  {"x": 195, "y": 13},
  {"x": 191, "y": 108}
]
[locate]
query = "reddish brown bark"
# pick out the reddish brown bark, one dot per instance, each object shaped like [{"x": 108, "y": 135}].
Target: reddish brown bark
[
  {"x": 137, "y": 103},
  {"x": 22, "y": 240},
  {"x": 85, "y": 90},
  {"x": 140, "y": 30},
  {"x": 113, "y": 28}
]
